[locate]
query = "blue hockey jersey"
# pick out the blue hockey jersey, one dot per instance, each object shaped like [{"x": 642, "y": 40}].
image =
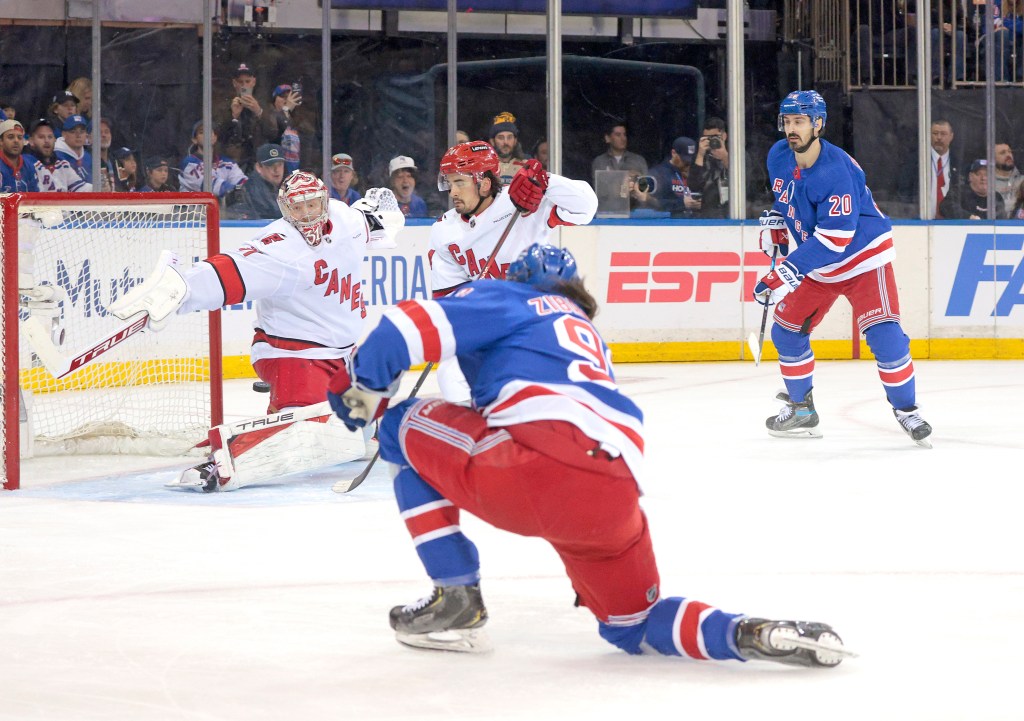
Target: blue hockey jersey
[
  {"x": 836, "y": 228},
  {"x": 527, "y": 355}
]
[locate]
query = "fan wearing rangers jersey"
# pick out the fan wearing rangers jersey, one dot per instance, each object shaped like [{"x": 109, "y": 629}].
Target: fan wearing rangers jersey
[
  {"x": 304, "y": 274},
  {"x": 552, "y": 449},
  {"x": 464, "y": 237},
  {"x": 842, "y": 247}
]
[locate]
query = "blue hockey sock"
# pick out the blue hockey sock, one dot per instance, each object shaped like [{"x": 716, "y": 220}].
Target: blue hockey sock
[
  {"x": 680, "y": 627},
  {"x": 895, "y": 366},
  {"x": 796, "y": 361}
]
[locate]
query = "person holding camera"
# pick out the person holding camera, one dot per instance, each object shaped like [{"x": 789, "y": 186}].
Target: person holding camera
[
  {"x": 242, "y": 132},
  {"x": 616, "y": 157},
  {"x": 709, "y": 174},
  {"x": 280, "y": 126}
]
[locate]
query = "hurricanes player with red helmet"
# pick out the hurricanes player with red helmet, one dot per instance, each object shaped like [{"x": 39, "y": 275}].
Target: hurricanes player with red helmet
[
  {"x": 463, "y": 238},
  {"x": 303, "y": 274}
]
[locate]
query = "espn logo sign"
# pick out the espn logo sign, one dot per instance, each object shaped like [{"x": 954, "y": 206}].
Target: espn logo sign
[{"x": 682, "y": 276}]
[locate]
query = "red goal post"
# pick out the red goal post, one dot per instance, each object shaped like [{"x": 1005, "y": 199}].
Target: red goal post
[{"x": 153, "y": 393}]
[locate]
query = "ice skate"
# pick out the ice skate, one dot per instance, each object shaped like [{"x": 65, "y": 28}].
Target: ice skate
[
  {"x": 797, "y": 643},
  {"x": 794, "y": 420},
  {"x": 201, "y": 478},
  {"x": 450, "y": 619},
  {"x": 915, "y": 426}
]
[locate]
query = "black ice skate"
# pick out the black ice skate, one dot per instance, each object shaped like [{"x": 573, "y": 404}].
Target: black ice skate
[
  {"x": 915, "y": 426},
  {"x": 797, "y": 643},
  {"x": 203, "y": 478},
  {"x": 450, "y": 619},
  {"x": 795, "y": 420}
]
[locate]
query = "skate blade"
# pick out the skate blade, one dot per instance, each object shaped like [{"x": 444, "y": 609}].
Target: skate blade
[
  {"x": 828, "y": 648},
  {"x": 473, "y": 640},
  {"x": 924, "y": 443},
  {"x": 796, "y": 433},
  {"x": 187, "y": 483}
]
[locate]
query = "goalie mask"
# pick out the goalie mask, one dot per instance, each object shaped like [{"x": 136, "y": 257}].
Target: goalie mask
[
  {"x": 473, "y": 158},
  {"x": 303, "y": 202}
]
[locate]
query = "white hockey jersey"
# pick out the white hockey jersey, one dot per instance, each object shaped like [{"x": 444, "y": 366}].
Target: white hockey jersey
[
  {"x": 309, "y": 301},
  {"x": 460, "y": 247}
]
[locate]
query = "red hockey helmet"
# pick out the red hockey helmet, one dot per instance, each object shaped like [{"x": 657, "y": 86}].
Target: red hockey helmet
[{"x": 473, "y": 158}]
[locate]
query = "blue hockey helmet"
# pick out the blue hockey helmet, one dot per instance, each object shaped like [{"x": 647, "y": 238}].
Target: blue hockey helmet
[
  {"x": 542, "y": 265},
  {"x": 804, "y": 102}
]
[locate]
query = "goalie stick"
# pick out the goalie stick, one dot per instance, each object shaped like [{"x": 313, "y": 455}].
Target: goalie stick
[
  {"x": 756, "y": 342},
  {"x": 346, "y": 485}
]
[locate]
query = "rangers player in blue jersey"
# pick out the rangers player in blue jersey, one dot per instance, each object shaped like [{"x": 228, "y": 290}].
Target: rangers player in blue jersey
[
  {"x": 549, "y": 430},
  {"x": 842, "y": 246}
]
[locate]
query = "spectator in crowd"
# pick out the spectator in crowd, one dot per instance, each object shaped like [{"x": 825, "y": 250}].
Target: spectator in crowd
[
  {"x": 126, "y": 170},
  {"x": 225, "y": 175},
  {"x": 17, "y": 172},
  {"x": 402, "y": 174},
  {"x": 504, "y": 138},
  {"x": 52, "y": 173},
  {"x": 242, "y": 132},
  {"x": 672, "y": 178},
  {"x": 260, "y": 197},
  {"x": 1017, "y": 212},
  {"x": 7, "y": 111},
  {"x": 158, "y": 174},
  {"x": 62, "y": 107},
  {"x": 70, "y": 146},
  {"x": 280, "y": 128},
  {"x": 1007, "y": 42},
  {"x": 616, "y": 157},
  {"x": 106, "y": 161},
  {"x": 970, "y": 200},
  {"x": 882, "y": 28},
  {"x": 949, "y": 25},
  {"x": 343, "y": 178},
  {"x": 461, "y": 136},
  {"x": 1008, "y": 178},
  {"x": 540, "y": 152},
  {"x": 709, "y": 174},
  {"x": 81, "y": 88},
  {"x": 944, "y": 175}
]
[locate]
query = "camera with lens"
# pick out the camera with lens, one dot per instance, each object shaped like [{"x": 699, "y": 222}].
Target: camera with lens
[
  {"x": 714, "y": 142},
  {"x": 646, "y": 184}
]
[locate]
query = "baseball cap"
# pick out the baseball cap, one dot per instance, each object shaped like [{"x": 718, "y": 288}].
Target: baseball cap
[
  {"x": 281, "y": 90},
  {"x": 63, "y": 96},
  {"x": 121, "y": 153},
  {"x": 341, "y": 160},
  {"x": 242, "y": 69},
  {"x": 40, "y": 123},
  {"x": 685, "y": 147},
  {"x": 74, "y": 121},
  {"x": 269, "y": 153},
  {"x": 401, "y": 162},
  {"x": 978, "y": 165},
  {"x": 10, "y": 125},
  {"x": 156, "y": 161},
  {"x": 503, "y": 122}
]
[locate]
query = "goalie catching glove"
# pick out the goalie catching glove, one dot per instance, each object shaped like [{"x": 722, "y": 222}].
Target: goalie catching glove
[
  {"x": 159, "y": 296},
  {"x": 384, "y": 217},
  {"x": 776, "y": 285},
  {"x": 528, "y": 186},
  {"x": 773, "y": 233},
  {"x": 355, "y": 404}
]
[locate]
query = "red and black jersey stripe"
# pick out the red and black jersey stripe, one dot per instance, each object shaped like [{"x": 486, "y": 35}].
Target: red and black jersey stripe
[{"x": 230, "y": 278}]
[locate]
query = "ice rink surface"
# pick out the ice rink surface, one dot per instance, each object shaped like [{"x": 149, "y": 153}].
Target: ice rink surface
[{"x": 122, "y": 600}]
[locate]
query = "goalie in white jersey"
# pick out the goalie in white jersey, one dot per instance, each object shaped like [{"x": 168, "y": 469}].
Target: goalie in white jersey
[
  {"x": 304, "y": 275},
  {"x": 464, "y": 237}
]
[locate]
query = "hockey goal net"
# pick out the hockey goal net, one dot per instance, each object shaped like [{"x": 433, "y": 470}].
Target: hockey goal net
[{"x": 153, "y": 393}]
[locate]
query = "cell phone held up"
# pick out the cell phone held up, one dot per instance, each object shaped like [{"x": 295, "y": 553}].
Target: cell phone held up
[{"x": 244, "y": 91}]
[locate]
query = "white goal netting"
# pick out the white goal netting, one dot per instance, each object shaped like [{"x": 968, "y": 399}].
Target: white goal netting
[{"x": 150, "y": 394}]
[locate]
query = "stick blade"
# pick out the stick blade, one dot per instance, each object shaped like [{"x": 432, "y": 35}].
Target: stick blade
[
  {"x": 755, "y": 347},
  {"x": 348, "y": 484}
]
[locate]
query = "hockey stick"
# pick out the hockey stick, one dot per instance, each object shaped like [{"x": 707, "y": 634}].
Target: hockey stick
[
  {"x": 344, "y": 486},
  {"x": 756, "y": 342},
  {"x": 61, "y": 364}
]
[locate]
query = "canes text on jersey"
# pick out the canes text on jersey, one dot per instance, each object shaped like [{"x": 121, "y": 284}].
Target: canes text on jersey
[{"x": 343, "y": 287}]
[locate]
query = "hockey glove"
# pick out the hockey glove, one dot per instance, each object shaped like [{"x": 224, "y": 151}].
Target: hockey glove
[
  {"x": 528, "y": 187},
  {"x": 384, "y": 218},
  {"x": 773, "y": 233},
  {"x": 353, "y": 403},
  {"x": 160, "y": 295},
  {"x": 776, "y": 285}
]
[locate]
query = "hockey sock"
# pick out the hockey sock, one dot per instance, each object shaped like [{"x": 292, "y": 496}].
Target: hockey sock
[
  {"x": 449, "y": 557},
  {"x": 680, "y": 627},
  {"x": 796, "y": 361},
  {"x": 895, "y": 366}
]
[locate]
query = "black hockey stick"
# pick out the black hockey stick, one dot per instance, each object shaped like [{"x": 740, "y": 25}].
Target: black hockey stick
[
  {"x": 759, "y": 346},
  {"x": 344, "y": 486}
]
